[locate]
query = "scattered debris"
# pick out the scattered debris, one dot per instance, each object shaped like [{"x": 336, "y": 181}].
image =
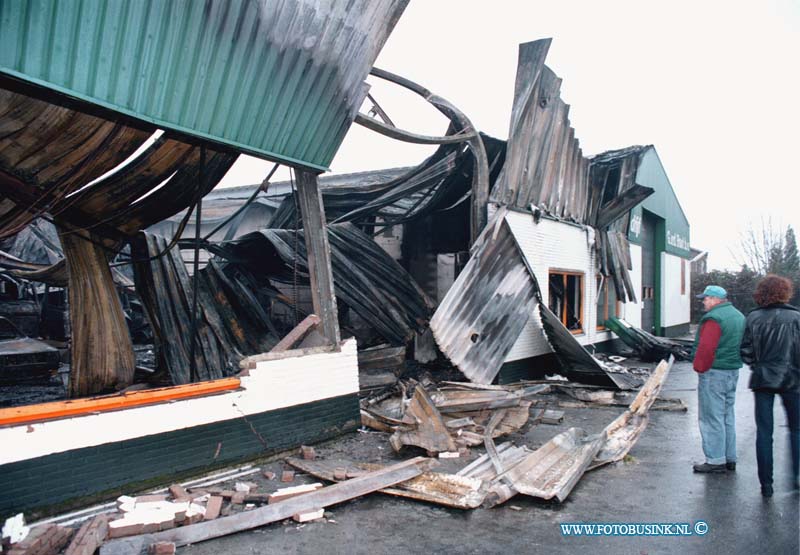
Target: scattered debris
[
  {"x": 242, "y": 487},
  {"x": 308, "y": 452},
  {"x": 294, "y": 491},
  {"x": 161, "y": 548},
  {"x": 550, "y": 416},
  {"x": 450, "y": 490},
  {"x": 47, "y": 539},
  {"x": 625, "y": 430},
  {"x": 423, "y": 426},
  {"x": 90, "y": 537},
  {"x": 324, "y": 497},
  {"x": 14, "y": 528},
  {"x": 647, "y": 346},
  {"x": 550, "y": 471},
  {"x": 599, "y": 396},
  {"x": 213, "y": 507},
  {"x": 287, "y": 476},
  {"x": 308, "y": 516},
  {"x": 23, "y": 359}
]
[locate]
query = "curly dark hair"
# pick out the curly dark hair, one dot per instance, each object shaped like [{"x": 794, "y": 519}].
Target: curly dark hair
[{"x": 773, "y": 289}]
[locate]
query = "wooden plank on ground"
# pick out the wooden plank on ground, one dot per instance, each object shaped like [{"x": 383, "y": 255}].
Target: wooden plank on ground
[
  {"x": 267, "y": 514},
  {"x": 623, "y": 433},
  {"x": 449, "y": 490}
]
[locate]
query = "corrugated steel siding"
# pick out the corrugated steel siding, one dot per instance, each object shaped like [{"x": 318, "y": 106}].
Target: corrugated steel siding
[
  {"x": 280, "y": 79},
  {"x": 485, "y": 310},
  {"x": 544, "y": 163}
]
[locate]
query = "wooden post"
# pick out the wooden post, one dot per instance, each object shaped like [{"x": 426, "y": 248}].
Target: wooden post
[
  {"x": 319, "y": 254},
  {"x": 102, "y": 351}
]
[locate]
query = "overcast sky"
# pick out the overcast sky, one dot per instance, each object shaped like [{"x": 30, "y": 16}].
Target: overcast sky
[{"x": 714, "y": 85}]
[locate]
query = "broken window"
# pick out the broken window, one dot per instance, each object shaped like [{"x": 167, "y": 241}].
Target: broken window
[
  {"x": 607, "y": 303},
  {"x": 566, "y": 299}
]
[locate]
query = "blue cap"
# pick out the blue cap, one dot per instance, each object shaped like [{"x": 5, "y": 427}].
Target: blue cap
[{"x": 713, "y": 291}]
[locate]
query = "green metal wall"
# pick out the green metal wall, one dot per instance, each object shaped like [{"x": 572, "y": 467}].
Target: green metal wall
[
  {"x": 674, "y": 234},
  {"x": 280, "y": 79}
]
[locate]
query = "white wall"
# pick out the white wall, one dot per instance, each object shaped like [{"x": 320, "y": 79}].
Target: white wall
[
  {"x": 550, "y": 245},
  {"x": 675, "y": 307},
  {"x": 272, "y": 385},
  {"x": 632, "y": 312}
]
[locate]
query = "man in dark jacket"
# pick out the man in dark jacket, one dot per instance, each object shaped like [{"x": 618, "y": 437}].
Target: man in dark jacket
[
  {"x": 717, "y": 361},
  {"x": 771, "y": 346}
]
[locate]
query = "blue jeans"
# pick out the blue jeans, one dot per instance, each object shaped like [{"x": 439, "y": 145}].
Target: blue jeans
[
  {"x": 716, "y": 393},
  {"x": 764, "y": 423}
]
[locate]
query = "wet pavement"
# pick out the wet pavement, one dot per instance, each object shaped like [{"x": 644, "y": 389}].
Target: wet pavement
[{"x": 655, "y": 484}]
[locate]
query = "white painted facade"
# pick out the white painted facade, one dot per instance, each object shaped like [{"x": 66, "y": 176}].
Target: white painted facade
[
  {"x": 272, "y": 385},
  {"x": 560, "y": 246},
  {"x": 676, "y": 299},
  {"x": 633, "y": 311}
]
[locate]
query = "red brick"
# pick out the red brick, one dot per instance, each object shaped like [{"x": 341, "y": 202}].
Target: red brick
[
  {"x": 269, "y": 475},
  {"x": 161, "y": 548},
  {"x": 340, "y": 474},
  {"x": 213, "y": 507},
  {"x": 287, "y": 476},
  {"x": 179, "y": 493},
  {"x": 90, "y": 536},
  {"x": 308, "y": 452},
  {"x": 121, "y": 531},
  {"x": 193, "y": 518},
  {"x": 47, "y": 539}
]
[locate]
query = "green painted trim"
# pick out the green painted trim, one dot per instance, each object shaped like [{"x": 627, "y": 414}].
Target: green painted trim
[
  {"x": 64, "y": 480},
  {"x": 660, "y": 248},
  {"x": 257, "y": 152}
]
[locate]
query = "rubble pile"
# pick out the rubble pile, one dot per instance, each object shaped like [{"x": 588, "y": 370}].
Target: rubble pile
[{"x": 445, "y": 420}]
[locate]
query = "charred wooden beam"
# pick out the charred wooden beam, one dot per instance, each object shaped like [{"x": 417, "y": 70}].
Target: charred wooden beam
[
  {"x": 319, "y": 254},
  {"x": 102, "y": 352}
]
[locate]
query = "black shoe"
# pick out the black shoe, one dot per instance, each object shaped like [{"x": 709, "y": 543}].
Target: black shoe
[
  {"x": 766, "y": 491},
  {"x": 730, "y": 466},
  {"x": 707, "y": 468}
]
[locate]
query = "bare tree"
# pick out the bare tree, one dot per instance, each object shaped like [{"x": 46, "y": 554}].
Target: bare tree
[{"x": 761, "y": 247}]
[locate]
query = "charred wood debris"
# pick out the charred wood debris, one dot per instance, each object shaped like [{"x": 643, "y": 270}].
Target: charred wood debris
[
  {"x": 436, "y": 431},
  {"x": 96, "y": 244}
]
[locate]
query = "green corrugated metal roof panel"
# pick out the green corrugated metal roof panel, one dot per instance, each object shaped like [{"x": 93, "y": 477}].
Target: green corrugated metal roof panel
[{"x": 281, "y": 79}]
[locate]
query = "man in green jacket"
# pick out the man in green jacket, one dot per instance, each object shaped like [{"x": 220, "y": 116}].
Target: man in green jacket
[{"x": 717, "y": 362}]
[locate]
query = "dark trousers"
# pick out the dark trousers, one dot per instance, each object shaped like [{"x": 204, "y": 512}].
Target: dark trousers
[{"x": 764, "y": 424}]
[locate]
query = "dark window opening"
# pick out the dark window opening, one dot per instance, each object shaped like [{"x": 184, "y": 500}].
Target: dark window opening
[
  {"x": 611, "y": 188},
  {"x": 607, "y": 304},
  {"x": 566, "y": 299}
]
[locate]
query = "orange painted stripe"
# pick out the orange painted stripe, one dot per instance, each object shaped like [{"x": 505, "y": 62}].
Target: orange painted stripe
[{"x": 58, "y": 409}]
